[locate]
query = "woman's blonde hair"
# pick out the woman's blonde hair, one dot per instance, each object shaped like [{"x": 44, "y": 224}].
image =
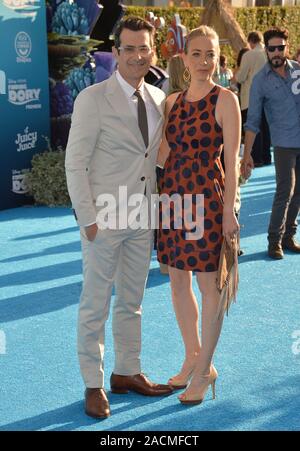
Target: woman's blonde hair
[
  {"x": 202, "y": 31},
  {"x": 176, "y": 68}
]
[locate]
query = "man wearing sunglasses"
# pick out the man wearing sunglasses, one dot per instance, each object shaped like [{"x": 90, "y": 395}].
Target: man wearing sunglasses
[{"x": 273, "y": 90}]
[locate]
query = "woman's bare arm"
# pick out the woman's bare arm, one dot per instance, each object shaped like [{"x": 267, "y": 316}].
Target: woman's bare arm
[
  {"x": 229, "y": 117},
  {"x": 164, "y": 148}
]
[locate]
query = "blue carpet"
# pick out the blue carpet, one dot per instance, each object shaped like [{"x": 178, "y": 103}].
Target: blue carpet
[{"x": 40, "y": 385}]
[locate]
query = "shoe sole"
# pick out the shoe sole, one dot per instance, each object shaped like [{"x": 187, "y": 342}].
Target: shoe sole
[
  {"x": 120, "y": 391},
  {"x": 187, "y": 402},
  {"x": 97, "y": 417}
]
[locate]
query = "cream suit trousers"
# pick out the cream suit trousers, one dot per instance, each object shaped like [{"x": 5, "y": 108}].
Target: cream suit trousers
[{"x": 120, "y": 258}]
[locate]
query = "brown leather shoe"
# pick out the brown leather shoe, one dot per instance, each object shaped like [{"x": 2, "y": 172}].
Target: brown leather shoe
[
  {"x": 139, "y": 384},
  {"x": 275, "y": 251},
  {"x": 291, "y": 244},
  {"x": 96, "y": 403}
]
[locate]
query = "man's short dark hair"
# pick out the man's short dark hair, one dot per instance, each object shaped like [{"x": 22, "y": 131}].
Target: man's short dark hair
[
  {"x": 275, "y": 32},
  {"x": 255, "y": 37},
  {"x": 132, "y": 23}
]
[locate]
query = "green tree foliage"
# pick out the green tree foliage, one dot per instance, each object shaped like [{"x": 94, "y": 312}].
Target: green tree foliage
[{"x": 250, "y": 19}]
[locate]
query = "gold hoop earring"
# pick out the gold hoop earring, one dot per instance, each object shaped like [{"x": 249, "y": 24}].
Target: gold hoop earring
[{"x": 186, "y": 75}]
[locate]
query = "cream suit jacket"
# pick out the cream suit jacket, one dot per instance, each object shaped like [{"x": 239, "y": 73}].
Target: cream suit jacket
[
  {"x": 251, "y": 63},
  {"x": 105, "y": 148}
]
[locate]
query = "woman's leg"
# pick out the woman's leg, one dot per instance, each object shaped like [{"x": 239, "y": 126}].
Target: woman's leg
[
  {"x": 187, "y": 313},
  {"x": 211, "y": 329}
]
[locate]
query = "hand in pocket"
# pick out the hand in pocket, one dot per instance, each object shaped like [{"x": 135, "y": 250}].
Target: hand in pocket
[{"x": 91, "y": 232}]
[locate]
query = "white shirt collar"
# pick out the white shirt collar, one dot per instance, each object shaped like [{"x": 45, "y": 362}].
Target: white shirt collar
[{"x": 127, "y": 88}]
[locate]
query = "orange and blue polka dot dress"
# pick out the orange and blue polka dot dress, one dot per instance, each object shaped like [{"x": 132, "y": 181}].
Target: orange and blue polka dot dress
[{"x": 193, "y": 167}]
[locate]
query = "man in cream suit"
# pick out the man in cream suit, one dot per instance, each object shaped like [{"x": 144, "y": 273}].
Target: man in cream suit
[
  {"x": 252, "y": 62},
  {"x": 113, "y": 142}
]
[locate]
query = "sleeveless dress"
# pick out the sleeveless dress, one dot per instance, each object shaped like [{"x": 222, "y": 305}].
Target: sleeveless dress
[{"x": 193, "y": 167}]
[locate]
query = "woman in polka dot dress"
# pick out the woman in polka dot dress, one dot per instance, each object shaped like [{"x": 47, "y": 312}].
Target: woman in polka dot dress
[{"x": 200, "y": 122}]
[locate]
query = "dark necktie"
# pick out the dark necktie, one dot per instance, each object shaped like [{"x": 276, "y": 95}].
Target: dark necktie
[{"x": 142, "y": 117}]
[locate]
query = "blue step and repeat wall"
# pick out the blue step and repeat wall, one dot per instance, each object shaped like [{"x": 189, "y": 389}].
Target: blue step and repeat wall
[{"x": 24, "y": 95}]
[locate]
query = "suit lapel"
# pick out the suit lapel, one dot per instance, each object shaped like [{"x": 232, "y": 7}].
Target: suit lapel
[
  {"x": 156, "y": 100},
  {"x": 117, "y": 99},
  {"x": 119, "y": 102}
]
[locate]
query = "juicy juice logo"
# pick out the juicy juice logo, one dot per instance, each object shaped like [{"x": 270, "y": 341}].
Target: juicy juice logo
[{"x": 26, "y": 141}]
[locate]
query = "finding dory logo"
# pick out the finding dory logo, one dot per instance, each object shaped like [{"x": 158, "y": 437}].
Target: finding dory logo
[{"x": 16, "y": 9}]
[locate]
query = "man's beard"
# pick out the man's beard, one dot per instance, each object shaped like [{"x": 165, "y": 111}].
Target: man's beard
[{"x": 277, "y": 61}]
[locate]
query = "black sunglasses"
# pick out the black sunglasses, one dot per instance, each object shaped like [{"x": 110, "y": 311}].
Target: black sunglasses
[{"x": 272, "y": 48}]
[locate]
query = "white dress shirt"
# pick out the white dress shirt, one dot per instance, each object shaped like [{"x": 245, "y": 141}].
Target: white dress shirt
[{"x": 153, "y": 115}]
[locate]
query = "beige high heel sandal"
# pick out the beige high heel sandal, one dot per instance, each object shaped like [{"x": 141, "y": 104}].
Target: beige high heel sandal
[
  {"x": 209, "y": 379},
  {"x": 181, "y": 381}
]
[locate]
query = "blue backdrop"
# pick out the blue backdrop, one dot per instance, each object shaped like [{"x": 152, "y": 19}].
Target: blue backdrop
[{"x": 24, "y": 94}]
